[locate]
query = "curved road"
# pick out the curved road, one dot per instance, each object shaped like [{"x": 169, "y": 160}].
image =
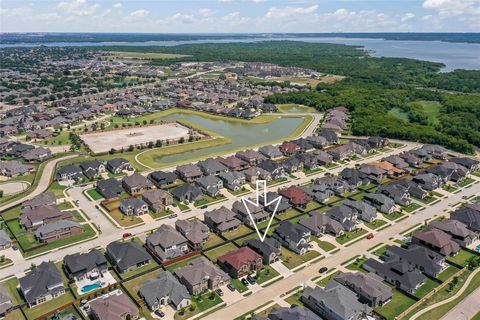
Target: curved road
[{"x": 43, "y": 184}]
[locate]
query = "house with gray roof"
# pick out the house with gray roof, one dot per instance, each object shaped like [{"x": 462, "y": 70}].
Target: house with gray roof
[
  {"x": 57, "y": 230},
  {"x": 436, "y": 240},
  {"x": 258, "y": 214},
  {"x": 253, "y": 174},
  {"x": 397, "y": 193},
  {"x": 91, "y": 265},
  {"x": 210, "y": 185},
  {"x": 275, "y": 169},
  {"x": 429, "y": 262},
  {"x": 109, "y": 188},
  {"x": 346, "y": 215},
  {"x": 5, "y": 241},
  {"x": 365, "y": 211},
  {"x": 334, "y": 302},
  {"x": 133, "y": 207},
  {"x": 187, "y": 193},
  {"x": 292, "y": 236},
  {"x": 428, "y": 181},
  {"x": 469, "y": 216},
  {"x": 38, "y": 154},
  {"x": 221, "y": 220},
  {"x": 14, "y": 168},
  {"x": 69, "y": 172},
  {"x": 271, "y": 152},
  {"x": 164, "y": 290},
  {"x": 211, "y": 166},
  {"x": 381, "y": 202},
  {"x": 32, "y": 219},
  {"x": 318, "y": 142},
  {"x": 369, "y": 287},
  {"x": 167, "y": 243},
  {"x": 42, "y": 284},
  {"x": 113, "y": 307},
  {"x": 319, "y": 224},
  {"x": 201, "y": 274},
  {"x": 251, "y": 156},
  {"x": 412, "y": 188},
  {"x": 189, "y": 172},
  {"x": 157, "y": 199},
  {"x": 457, "y": 230},
  {"x": 233, "y": 180},
  {"x": 119, "y": 165},
  {"x": 292, "y": 313},
  {"x": 466, "y": 162},
  {"x": 269, "y": 249},
  {"x": 136, "y": 183},
  {"x": 194, "y": 230},
  {"x": 43, "y": 199},
  {"x": 162, "y": 179},
  {"x": 5, "y": 300},
  {"x": 127, "y": 256},
  {"x": 397, "y": 272},
  {"x": 92, "y": 169}
]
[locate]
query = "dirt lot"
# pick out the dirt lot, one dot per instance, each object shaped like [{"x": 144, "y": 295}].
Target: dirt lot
[{"x": 104, "y": 141}]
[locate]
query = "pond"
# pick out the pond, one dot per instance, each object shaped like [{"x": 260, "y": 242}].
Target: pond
[{"x": 241, "y": 134}]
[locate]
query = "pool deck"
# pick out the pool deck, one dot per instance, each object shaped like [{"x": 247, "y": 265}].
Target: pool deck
[{"x": 107, "y": 279}]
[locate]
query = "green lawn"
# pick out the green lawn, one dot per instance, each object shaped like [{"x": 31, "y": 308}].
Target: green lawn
[
  {"x": 357, "y": 265},
  {"x": 349, "y": 236},
  {"x": 207, "y": 200},
  {"x": 393, "y": 216},
  {"x": 397, "y": 305},
  {"x": 213, "y": 240},
  {"x": 380, "y": 251},
  {"x": 376, "y": 224},
  {"x": 447, "y": 273},
  {"x": 94, "y": 194},
  {"x": 11, "y": 285},
  {"x": 217, "y": 252},
  {"x": 325, "y": 280},
  {"x": 287, "y": 214},
  {"x": 462, "y": 257},
  {"x": 428, "y": 286},
  {"x": 242, "y": 230},
  {"x": 324, "y": 245},
  {"x": 239, "y": 242},
  {"x": 202, "y": 302},
  {"x": 312, "y": 205},
  {"x": 153, "y": 265},
  {"x": 65, "y": 205},
  {"x": 266, "y": 274},
  {"x": 242, "y": 190},
  {"x": 237, "y": 284},
  {"x": 291, "y": 259},
  {"x": 11, "y": 213},
  {"x": 134, "y": 285},
  {"x": 411, "y": 207},
  {"x": 161, "y": 214},
  {"x": 172, "y": 267},
  {"x": 295, "y": 298},
  {"x": 57, "y": 189},
  {"x": 465, "y": 182},
  {"x": 15, "y": 315},
  {"x": 358, "y": 196},
  {"x": 37, "y": 311},
  {"x": 124, "y": 220}
]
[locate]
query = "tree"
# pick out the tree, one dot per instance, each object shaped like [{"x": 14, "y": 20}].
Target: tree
[
  {"x": 112, "y": 151},
  {"x": 130, "y": 148}
]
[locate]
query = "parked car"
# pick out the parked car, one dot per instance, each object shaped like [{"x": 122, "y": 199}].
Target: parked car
[
  {"x": 370, "y": 236},
  {"x": 160, "y": 313},
  {"x": 205, "y": 206},
  {"x": 245, "y": 282},
  {"x": 173, "y": 216},
  {"x": 219, "y": 292},
  {"x": 230, "y": 287},
  {"x": 323, "y": 269},
  {"x": 251, "y": 279},
  {"x": 127, "y": 234}
]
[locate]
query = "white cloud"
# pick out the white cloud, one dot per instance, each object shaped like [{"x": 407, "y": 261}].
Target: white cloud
[
  {"x": 118, "y": 5},
  {"x": 407, "y": 16},
  {"x": 78, "y": 7},
  {"x": 447, "y": 8},
  {"x": 234, "y": 19},
  {"x": 289, "y": 12},
  {"x": 141, "y": 13},
  {"x": 205, "y": 12}
]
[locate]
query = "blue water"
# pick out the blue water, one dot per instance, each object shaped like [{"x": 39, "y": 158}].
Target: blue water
[
  {"x": 453, "y": 55},
  {"x": 91, "y": 287}
]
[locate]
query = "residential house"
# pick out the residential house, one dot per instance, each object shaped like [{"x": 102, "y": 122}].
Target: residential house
[
  {"x": 427, "y": 261},
  {"x": 469, "y": 216},
  {"x": 289, "y": 148},
  {"x": 294, "y": 164},
  {"x": 428, "y": 181},
  {"x": 369, "y": 287},
  {"x": 114, "y": 307},
  {"x": 38, "y": 154},
  {"x": 271, "y": 152},
  {"x": 32, "y": 219},
  {"x": 378, "y": 142},
  {"x": 195, "y": 231},
  {"x": 412, "y": 159},
  {"x": 365, "y": 211},
  {"x": 14, "y": 168},
  {"x": 240, "y": 262},
  {"x": 322, "y": 157},
  {"x": 210, "y": 185},
  {"x": 252, "y": 157},
  {"x": 398, "y": 273},
  {"x": 43, "y": 199},
  {"x": 189, "y": 172},
  {"x": 281, "y": 207},
  {"x": 92, "y": 169},
  {"x": 372, "y": 173},
  {"x": 167, "y": 243},
  {"x": 5, "y": 301},
  {"x": 5, "y": 241},
  {"x": 57, "y": 230},
  {"x": 233, "y": 163},
  {"x": 436, "y": 151},
  {"x": 211, "y": 166},
  {"x": 457, "y": 230},
  {"x": 436, "y": 240},
  {"x": 353, "y": 178},
  {"x": 398, "y": 162},
  {"x": 334, "y": 302},
  {"x": 275, "y": 169},
  {"x": 258, "y": 214},
  {"x": 296, "y": 196},
  {"x": 380, "y": 201},
  {"x": 269, "y": 249},
  {"x": 412, "y": 188},
  {"x": 284, "y": 313},
  {"x": 80, "y": 266},
  {"x": 42, "y": 284},
  {"x": 109, "y": 188},
  {"x": 164, "y": 290},
  {"x": 157, "y": 199},
  {"x": 221, "y": 220},
  {"x": 119, "y": 165},
  {"x": 295, "y": 237},
  {"x": 397, "y": 193},
  {"x": 318, "y": 142},
  {"x": 233, "y": 180},
  {"x": 127, "y": 256},
  {"x": 319, "y": 224},
  {"x": 136, "y": 183},
  {"x": 187, "y": 193},
  {"x": 133, "y": 207},
  {"x": 391, "y": 170},
  {"x": 253, "y": 174},
  {"x": 70, "y": 172},
  {"x": 469, "y": 163},
  {"x": 162, "y": 179},
  {"x": 201, "y": 274},
  {"x": 346, "y": 215}
]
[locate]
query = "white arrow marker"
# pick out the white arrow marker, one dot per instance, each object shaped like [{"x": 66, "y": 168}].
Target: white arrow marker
[{"x": 261, "y": 184}]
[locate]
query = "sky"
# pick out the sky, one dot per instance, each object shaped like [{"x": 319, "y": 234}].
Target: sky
[{"x": 240, "y": 16}]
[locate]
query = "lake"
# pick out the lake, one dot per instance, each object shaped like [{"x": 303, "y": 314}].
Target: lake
[
  {"x": 242, "y": 135},
  {"x": 453, "y": 55}
]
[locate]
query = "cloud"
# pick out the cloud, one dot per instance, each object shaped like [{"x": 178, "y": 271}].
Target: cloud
[
  {"x": 448, "y": 8},
  {"x": 234, "y": 19},
  {"x": 205, "y": 12},
  {"x": 287, "y": 13},
  {"x": 118, "y": 5},
  {"x": 141, "y": 13},
  {"x": 78, "y": 7},
  {"x": 407, "y": 16}
]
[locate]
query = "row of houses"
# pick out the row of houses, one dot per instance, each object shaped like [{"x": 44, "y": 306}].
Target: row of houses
[
  {"x": 27, "y": 152},
  {"x": 92, "y": 169}
]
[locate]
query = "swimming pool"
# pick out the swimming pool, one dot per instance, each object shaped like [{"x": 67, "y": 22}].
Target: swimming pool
[{"x": 90, "y": 287}]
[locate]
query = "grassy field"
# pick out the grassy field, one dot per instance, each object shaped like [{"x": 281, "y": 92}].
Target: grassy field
[
  {"x": 349, "y": 236},
  {"x": 375, "y": 224},
  {"x": 399, "y": 303},
  {"x": 428, "y": 286},
  {"x": 213, "y": 240},
  {"x": 217, "y": 252},
  {"x": 431, "y": 110},
  {"x": 447, "y": 273},
  {"x": 202, "y": 302},
  {"x": 325, "y": 280},
  {"x": 266, "y": 274},
  {"x": 93, "y": 193},
  {"x": 134, "y": 285},
  {"x": 291, "y": 259},
  {"x": 357, "y": 265},
  {"x": 172, "y": 267},
  {"x": 242, "y": 230},
  {"x": 294, "y": 108},
  {"x": 462, "y": 257},
  {"x": 398, "y": 113},
  {"x": 37, "y": 311},
  {"x": 324, "y": 245}
]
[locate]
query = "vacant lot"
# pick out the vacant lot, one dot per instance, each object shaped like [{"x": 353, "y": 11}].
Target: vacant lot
[{"x": 104, "y": 141}]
